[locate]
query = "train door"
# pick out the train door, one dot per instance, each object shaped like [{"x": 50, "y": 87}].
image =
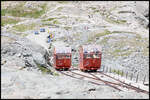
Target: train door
[
  {"x": 87, "y": 60},
  {"x": 96, "y": 60}
]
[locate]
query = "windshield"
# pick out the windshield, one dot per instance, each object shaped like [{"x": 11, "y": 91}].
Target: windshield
[
  {"x": 63, "y": 56},
  {"x": 91, "y": 56}
]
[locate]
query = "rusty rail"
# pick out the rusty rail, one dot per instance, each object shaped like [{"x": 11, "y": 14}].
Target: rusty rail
[
  {"x": 127, "y": 85},
  {"x": 79, "y": 78},
  {"x": 111, "y": 84},
  {"x": 106, "y": 82}
]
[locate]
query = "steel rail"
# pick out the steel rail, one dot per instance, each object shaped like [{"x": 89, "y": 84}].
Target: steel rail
[
  {"x": 127, "y": 85},
  {"x": 79, "y": 78},
  {"x": 97, "y": 79}
]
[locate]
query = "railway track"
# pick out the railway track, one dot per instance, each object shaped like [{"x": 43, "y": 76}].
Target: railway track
[
  {"x": 126, "y": 85},
  {"x": 92, "y": 78}
]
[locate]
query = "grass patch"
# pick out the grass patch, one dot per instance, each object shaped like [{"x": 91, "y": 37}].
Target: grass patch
[
  {"x": 104, "y": 41},
  {"x": 125, "y": 12},
  {"x": 67, "y": 28},
  {"x": 96, "y": 11},
  {"x": 115, "y": 21},
  {"x": 6, "y": 21},
  {"x": 24, "y": 35},
  {"x": 121, "y": 32},
  {"x": 118, "y": 53},
  {"x": 112, "y": 9},
  {"x": 43, "y": 69},
  {"x": 117, "y": 72},
  {"x": 56, "y": 22},
  {"x": 63, "y": 2},
  {"x": 55, "y": 74},
  {"x": 91, "y": 38},
  {"x": 50, "y": 19},
  {"x": 20, "y": 11},
  {"x": 22, "y": 27},
  {"x": 59, "y": 8},
  {"x": 93, "y": 8}
]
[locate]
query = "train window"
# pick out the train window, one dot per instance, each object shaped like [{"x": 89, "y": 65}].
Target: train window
[
  {"x": 67, "y": 56},
  {"x": 59, "y": 57},
  {"x": 88, "y": 56},
  {"x": 96, "y": 55}
]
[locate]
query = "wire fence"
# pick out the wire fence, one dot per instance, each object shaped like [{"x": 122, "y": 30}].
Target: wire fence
[{"x": 136, "y": 77}]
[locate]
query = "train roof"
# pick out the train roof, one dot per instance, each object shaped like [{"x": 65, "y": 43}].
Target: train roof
[
  {"x": 91, "y": 48},
  {"x": 63, "y": 49}
]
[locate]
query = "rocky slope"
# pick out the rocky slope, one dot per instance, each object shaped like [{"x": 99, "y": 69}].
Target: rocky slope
[{"x": 120, "y": 28}]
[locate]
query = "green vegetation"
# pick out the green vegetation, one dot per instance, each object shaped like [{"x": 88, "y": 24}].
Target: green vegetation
[
  {"x": 50, "y": 19},
  {"x": 119, "y": 52},
  {"x": 104, "y": 41},
  {"x": 115, "y": 21},
  {"x": 93, "y": 8},
  {"x": 96, "y": 11},
  {"x": 106, "y": 32},
  {"x": 59, "y": 8},
  {"x": 24, "y": 35},
  {"x": 20, "y": 11},
  {"x": 56, "y": 22},
  {"x": 62, "y": 2},
  {"x": 117, "y": 72},
  {"x": 43, "y": 69},
  {"x": 122, "y": 32},
  {"x": 112, "y": 20},
  {"x": 6, "y": 21},
  {"x": 55, "y": 74},
  {"x": 125, "y": 12},
  {"x": 67, "y": 27},
  {"x": 22, "y": 27},
  {"x": 112, "y": 9}
]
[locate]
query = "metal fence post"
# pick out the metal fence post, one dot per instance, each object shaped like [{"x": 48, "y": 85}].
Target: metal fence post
[
  {"x": 118, "y": 72},
  {"x": 106, "y": 69},
  {"x": 126, "y": 75},
  {"x": 144, "y": 79},
  {"x": 103, "y": 68},
  {"x": 131, "y": 76},
  {"x": 110, "y": 70},
  {"x": 137, "y": 77}
]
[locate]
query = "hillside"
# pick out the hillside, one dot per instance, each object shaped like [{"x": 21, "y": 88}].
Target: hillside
[{"x": 121, "y": 28}]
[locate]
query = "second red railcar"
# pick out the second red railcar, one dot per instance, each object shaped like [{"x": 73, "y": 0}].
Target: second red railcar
[{"x": 90, "y": 57}]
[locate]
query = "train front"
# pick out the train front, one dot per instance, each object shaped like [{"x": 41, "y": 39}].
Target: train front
[
  {"x": 90, "y": 58},
  {"x": 62, "y": 58}
]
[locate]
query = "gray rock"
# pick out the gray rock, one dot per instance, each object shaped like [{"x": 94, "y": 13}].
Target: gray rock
[
  {"x": 25, "y": 50},
  {"x": 38, "y": 58}
]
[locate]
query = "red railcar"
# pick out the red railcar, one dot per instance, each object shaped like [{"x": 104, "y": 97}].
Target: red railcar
[
  {"x": 62, "y": 58},
  {"x": 90, "y": 57}
]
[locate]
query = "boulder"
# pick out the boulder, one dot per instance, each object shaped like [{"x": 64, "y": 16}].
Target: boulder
[{"x": 25, "y": 50}]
